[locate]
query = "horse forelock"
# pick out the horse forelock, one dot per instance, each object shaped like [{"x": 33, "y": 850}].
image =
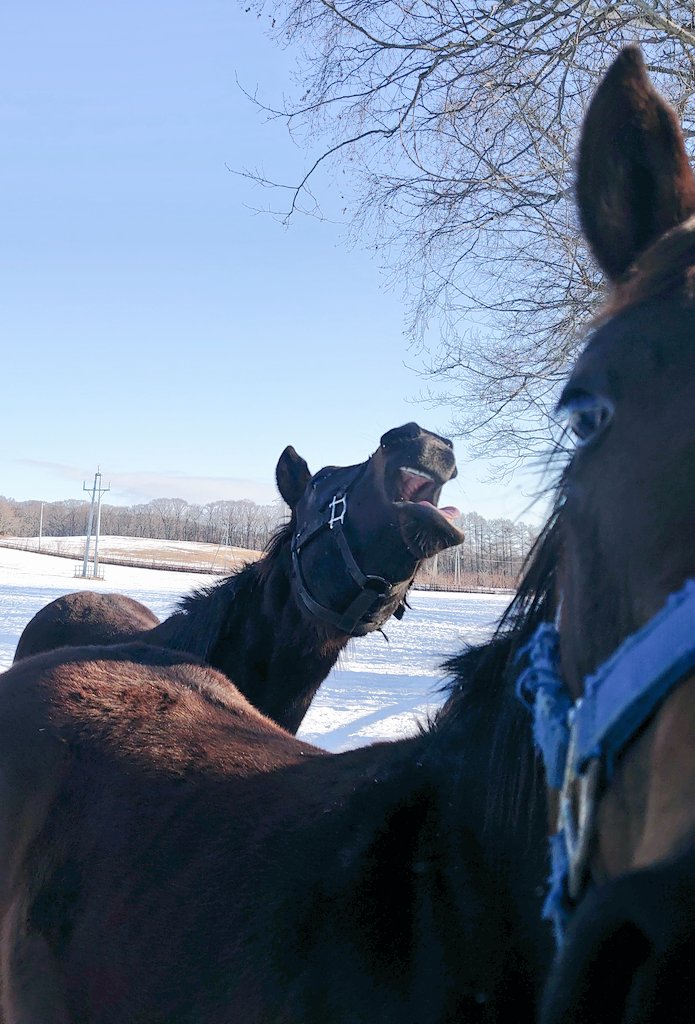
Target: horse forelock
[{"x": 667, "y": 264}]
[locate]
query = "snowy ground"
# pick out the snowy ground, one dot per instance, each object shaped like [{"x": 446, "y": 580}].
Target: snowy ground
[{"x": 378, "y": 690}]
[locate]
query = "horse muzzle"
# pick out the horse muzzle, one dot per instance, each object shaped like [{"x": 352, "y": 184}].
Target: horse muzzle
[{"x": 629, "y": 952}]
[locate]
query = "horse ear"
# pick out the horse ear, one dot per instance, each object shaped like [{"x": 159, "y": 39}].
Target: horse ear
[
  {"x": 292, "y": 476},
  {"x": 634, "y": 180}
]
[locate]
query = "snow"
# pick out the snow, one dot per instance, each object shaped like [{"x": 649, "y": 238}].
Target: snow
[
  {"x": 378, "y": 690},
  {"x": 141, "y": 550}
]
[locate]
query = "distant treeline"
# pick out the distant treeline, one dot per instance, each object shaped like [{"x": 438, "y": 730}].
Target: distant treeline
[
  {"x": 241, "y": 524},
  {"x": 491, "y": 556}
]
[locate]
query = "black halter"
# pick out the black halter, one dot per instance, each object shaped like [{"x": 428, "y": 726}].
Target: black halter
[{"x": 373, "y": 591}]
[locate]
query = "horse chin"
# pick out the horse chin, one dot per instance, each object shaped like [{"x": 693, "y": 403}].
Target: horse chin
[
  {"x": 425, "y": 529},
  {"x": 628, "y": 952}
]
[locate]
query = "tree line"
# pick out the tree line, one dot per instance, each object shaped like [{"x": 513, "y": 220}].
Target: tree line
[
  {"x": 240, "y": 523},
  {"x": 490, "y": 557}
]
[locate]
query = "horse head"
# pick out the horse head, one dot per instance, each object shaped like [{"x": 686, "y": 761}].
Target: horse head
[
  {"x": 360, "y": 532},
  {"x": 623, "y": 699}
]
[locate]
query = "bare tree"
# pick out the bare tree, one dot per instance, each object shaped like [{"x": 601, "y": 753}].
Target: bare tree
[
  {"x": 491, "y": 555},
  {"x": 453, "y": 124},
  {"x": 10, "y": 522}
]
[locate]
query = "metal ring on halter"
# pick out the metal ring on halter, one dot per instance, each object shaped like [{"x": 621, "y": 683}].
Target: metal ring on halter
[{"x": 578, "y": 791}]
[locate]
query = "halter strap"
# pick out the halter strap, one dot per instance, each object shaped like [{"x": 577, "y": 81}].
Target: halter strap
[
  {"x": 372, "y": 590},
  {"x": 625, "y": 691},
  {"x": 587, "y": 736}
]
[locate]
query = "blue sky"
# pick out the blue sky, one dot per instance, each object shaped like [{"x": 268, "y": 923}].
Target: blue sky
[{"x": 153, "y": 323}]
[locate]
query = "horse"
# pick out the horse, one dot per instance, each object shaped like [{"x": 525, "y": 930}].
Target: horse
[
  {"x": 339, "y": 568},
  {"x": 168, "y": 853},
  {"x": 610, "y": 676}
]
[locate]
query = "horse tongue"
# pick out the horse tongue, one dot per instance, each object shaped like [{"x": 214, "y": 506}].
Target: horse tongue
[{"x": 449, "y": 512}]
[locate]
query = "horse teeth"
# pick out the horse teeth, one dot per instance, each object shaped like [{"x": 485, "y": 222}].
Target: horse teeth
[
  {"x": 412, "y": 482},
  {"x": 418, "y": 472}
]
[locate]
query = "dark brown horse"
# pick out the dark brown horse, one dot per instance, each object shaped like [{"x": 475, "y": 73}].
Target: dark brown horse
[
  {"x": 168, "y": 854},
  {"x": 340, "y": 568},
  {"x": 621, "y": 659},
  {"x": 82, "y": 618}
]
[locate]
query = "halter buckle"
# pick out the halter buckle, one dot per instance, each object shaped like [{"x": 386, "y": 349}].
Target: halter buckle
[
  {"x": 577, "y": 812},
  {"x": 339, "y": 501}
]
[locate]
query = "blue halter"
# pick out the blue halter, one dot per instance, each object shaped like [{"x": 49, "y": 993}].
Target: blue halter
[{"x": 581, "y": 741}]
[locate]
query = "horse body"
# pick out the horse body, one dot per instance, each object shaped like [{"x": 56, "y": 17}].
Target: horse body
[
  {"x": 172, "y": 854},
  {"x": 85, "y": 617},
  {"x": 277, "y": 627}
]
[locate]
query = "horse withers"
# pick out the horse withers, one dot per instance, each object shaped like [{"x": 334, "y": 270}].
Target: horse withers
[{"x": 339, "y": 568}]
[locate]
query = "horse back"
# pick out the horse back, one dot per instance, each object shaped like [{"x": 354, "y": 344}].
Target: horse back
[
  {"x": 105, "y": 752},
  {"x": 172, "y": 855},
  {"x": 84, "y": 618}
]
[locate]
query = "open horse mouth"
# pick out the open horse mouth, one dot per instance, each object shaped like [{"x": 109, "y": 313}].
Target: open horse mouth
[
  {"x": 417, "y": 486},
  {"x": 417, "y": 464}
]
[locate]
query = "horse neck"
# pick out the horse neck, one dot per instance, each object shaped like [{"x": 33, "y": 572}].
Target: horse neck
[
  {"x": 251, "y": 628},
  {"x": 410, "y": 822},
  {"x": 482, "y": 743}
]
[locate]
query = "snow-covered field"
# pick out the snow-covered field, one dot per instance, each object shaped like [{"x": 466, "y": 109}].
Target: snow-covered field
[
  {"x": 142, "y": 550},
  {"x": 378, "y": 690}
]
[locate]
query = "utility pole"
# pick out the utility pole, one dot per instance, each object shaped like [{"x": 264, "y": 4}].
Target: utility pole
[
  {"x": 97, "y": 491},
  {"x": 40, "y": 525}
]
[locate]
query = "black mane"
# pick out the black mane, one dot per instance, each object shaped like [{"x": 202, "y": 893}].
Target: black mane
[
  {"x": 482, "y": 709},
  {"x": 203, "y": 615}
]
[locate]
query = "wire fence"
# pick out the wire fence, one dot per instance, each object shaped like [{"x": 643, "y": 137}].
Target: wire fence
[
  {"x": 427, "y": 579},
  {"x": 204, "y": 567}
]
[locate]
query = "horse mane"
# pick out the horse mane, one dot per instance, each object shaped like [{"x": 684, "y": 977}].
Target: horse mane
[
  {"x": 666, "y": 264},
  {"x": 280, "y": 539},
  {"x": 482, "y": 705},
  {"x": 203, "y": 615}
]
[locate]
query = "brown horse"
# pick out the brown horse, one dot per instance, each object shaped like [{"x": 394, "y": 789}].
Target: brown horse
[
  {"x": 615, "y": 678},
  {"x": 168, "y": 854},
  {"x": 340, "y": 568}
]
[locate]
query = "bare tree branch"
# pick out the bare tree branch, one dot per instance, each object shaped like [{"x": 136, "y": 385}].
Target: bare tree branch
[{"x": 454, "y": 123}]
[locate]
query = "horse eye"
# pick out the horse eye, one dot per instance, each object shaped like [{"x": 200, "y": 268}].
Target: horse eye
[{"x": 587, "y": 415}]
